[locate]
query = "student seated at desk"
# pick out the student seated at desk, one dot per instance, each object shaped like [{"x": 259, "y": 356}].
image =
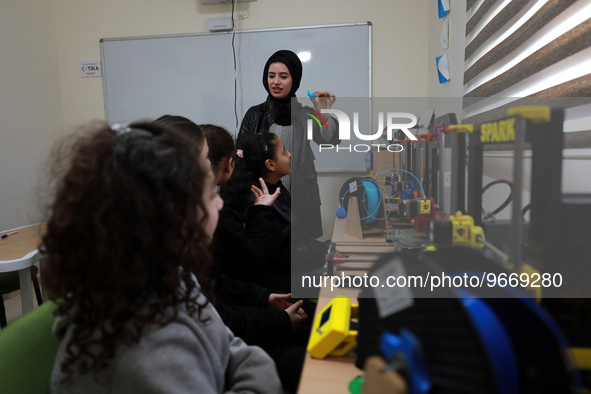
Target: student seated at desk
[
  {"x": 264, "y": 158},
  {"x": 243, "y": 237},
  {"x": 127, "y": 244},
  {"x": 233, "y": 242},
  {"x": 241, "y": 243}
]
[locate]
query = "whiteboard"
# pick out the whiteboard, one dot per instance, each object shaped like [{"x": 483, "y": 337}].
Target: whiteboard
[{"x": 194, "y": 75}]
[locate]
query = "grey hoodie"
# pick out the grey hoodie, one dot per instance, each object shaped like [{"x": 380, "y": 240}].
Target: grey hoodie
[{"x": 186, "y": 356}]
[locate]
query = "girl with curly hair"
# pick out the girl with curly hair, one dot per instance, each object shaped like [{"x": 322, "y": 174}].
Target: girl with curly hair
[{"x": 133, "y": 215}]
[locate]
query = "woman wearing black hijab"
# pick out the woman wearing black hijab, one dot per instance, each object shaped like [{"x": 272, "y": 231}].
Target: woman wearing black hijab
[{"x": 281, "y": 78}]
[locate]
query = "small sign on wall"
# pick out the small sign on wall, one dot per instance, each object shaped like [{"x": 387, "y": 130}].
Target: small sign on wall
[{"x": 90, "y": 68}]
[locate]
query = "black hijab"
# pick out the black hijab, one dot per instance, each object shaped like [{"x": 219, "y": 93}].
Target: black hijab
[{"x": 294, "y": 65}]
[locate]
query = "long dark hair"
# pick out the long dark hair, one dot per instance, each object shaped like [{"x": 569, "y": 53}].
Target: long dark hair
[
  {"x": 184, "y": 125},
  {"x": 256, "y": 150},
  {"x": 221, "y": 145},
  {"x": 124, "y": 236}
]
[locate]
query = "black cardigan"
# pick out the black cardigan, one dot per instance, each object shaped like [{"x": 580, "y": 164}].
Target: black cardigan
[
  {"x": 243, "y": 308},
  {"x": 255, "y": 246},
  {"x": 241, "y": 243}
]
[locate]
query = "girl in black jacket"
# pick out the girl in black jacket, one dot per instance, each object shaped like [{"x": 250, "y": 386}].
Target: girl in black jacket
[
  {"x": 263, "y": 158},
  {"x": 242, "y": 243}
]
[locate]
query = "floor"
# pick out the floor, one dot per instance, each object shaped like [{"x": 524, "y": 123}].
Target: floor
[{"x": 12, "y": 304}]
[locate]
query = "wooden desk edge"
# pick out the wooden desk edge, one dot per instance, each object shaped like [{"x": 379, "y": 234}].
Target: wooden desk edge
[{"x": 331, "y": 374}]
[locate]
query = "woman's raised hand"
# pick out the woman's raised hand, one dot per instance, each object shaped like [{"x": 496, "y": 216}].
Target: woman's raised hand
[
  {"x": 262, "y": 197},
  {"x": 323, "y": 100}
]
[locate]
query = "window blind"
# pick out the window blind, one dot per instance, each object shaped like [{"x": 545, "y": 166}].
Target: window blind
[{"x": 528, "y": 52}]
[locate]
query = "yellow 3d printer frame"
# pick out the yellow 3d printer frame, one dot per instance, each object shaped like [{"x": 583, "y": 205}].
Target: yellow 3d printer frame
[{"x": 331, "y": 334}]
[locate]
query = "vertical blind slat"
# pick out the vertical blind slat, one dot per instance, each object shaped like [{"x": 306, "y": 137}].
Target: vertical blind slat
[
  {"x": 496, "y": 24},
  {"x": 564, "y": 46},
  {"x": 548, "y": 12},
  {"x": 567, "y": 95},
  {"x": 479, "y": 15}
]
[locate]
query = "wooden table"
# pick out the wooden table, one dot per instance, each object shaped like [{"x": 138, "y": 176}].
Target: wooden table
[
  {"x": 340, "y": 236},
  {"x": 361, "y": 253},
  {"x": 333, "y": 374},
  {"x": 18, "y": 252}
]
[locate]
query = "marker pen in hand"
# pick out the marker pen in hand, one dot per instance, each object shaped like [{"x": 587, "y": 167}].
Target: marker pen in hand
[
  {"x": 320, "y": 94},
  {"x": 9, "y": 234}
]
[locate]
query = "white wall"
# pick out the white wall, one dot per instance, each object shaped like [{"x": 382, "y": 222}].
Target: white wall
[
  {"x": 81, "y": 24},
  {"x": 30, "y": 105},
  {"x": 58, "y": 34}
]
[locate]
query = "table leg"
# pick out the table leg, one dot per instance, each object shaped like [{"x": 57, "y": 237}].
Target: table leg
[
  {"x": 44, "y": 293},
  {"x": 26, "y": 289}
]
